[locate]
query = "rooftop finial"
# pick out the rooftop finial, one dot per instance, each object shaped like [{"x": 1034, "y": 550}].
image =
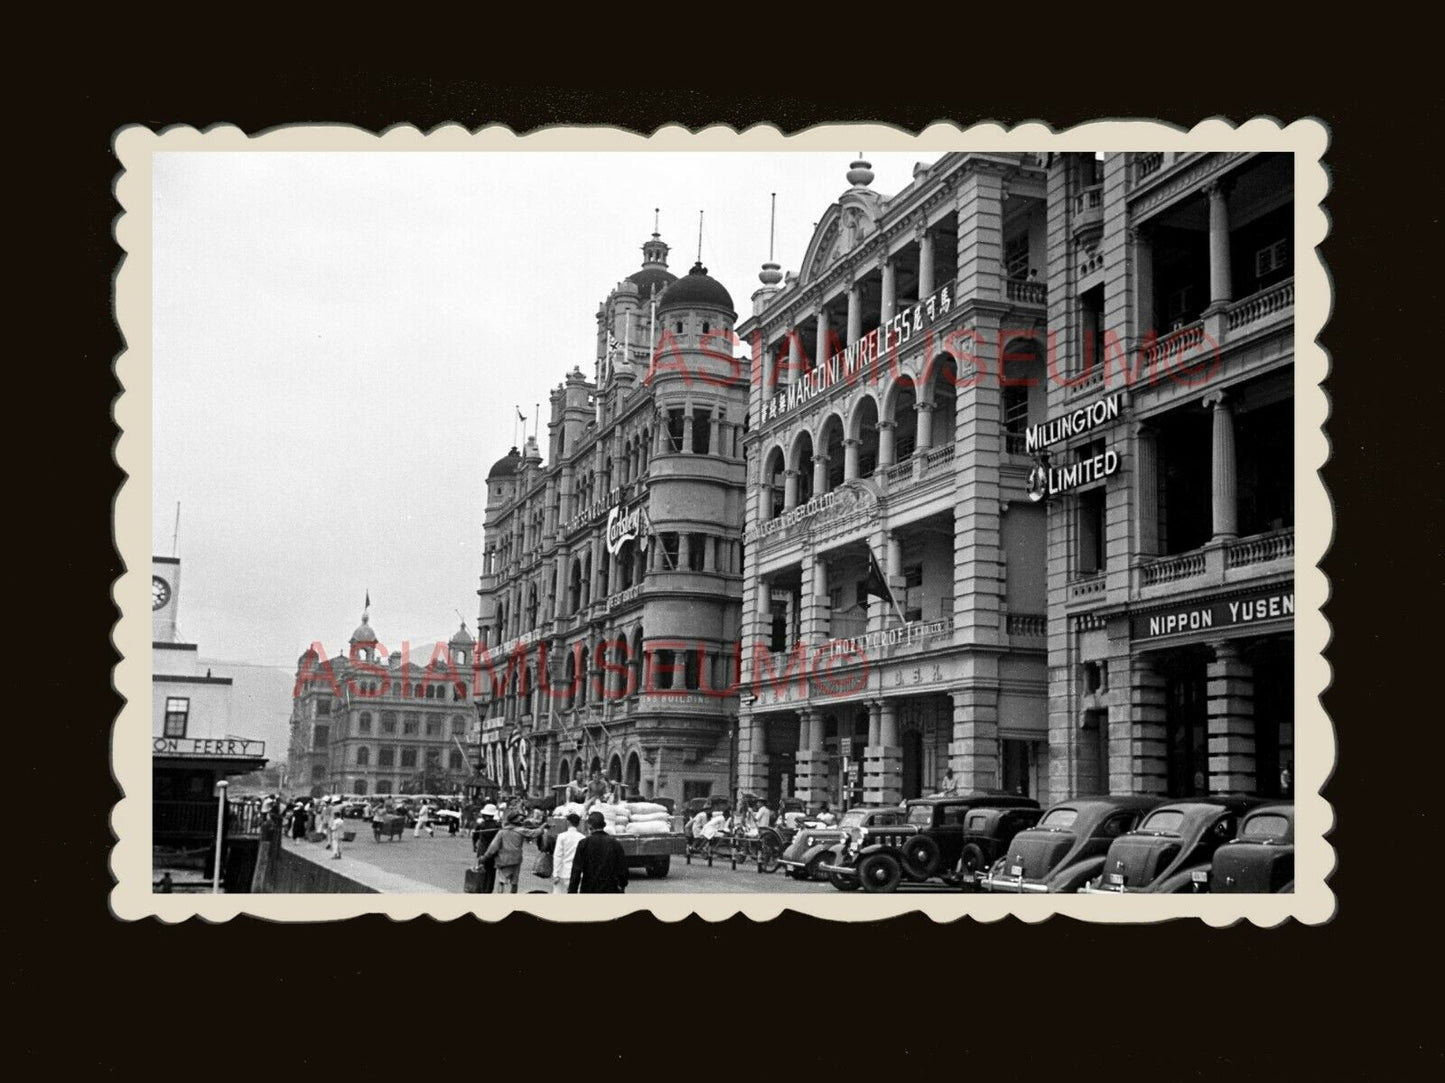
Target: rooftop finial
[
  {"x": 771, "y": 274},
  {"x": 699, "y": 236},
  {"x": 655, "y": 212},
  {"x": 772, "y": 223}
]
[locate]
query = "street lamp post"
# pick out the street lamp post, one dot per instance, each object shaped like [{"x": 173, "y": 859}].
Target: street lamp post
[{"x": 220, "y": 832}]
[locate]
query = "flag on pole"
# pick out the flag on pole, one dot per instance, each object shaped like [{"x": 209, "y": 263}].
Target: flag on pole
[
  {"x": 877, "y": 584},
  {"x": 521, "y": 416}
]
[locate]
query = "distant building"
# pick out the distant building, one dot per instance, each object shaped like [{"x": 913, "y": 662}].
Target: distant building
[
  {"x": 364, "y": 724},
  {"x": 613, "y": 572}
]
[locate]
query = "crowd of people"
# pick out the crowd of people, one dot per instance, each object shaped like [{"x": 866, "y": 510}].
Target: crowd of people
[{"x": 573, "y": 863}]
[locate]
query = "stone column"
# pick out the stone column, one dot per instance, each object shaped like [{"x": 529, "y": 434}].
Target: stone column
[
  {"x": 560, "y": 600},
  {"x": 1230, "y": 689},
  {"x": 790, "y": 490},
  {"x": 752, "y": 754},
  {"x": 822, "y": 608},
  {"x": 855, "y": 314},
  {"x": 1146, "y": 769},
  {"x": 811, "y": 762},
  {"x": 714, "y": 446},
  {"x": 1146, "y": 458},
  {"x": 684, "y": 551},
  {"x": 925, "y": 426},
  {"x": 1144, "y": 317},
  {"x": 1221, "y": 290},
  {"x": 890, "y": 290},
  {"x": 709, "y": 551},
  {"x": 1223, "y": 481},
  {"x": 973, "y": 752},
  {"x": 925, "y": 263},
  {"x": 885, "y": 442},
  {"x": 795, "y": 354},
  {"x": 687, "y": 444},
  {"x": 850, "y": 459},
  {"x": 820, "y": 474},
  {"x": 820, "y": 344},
  {"x": 883, "y": 758}
]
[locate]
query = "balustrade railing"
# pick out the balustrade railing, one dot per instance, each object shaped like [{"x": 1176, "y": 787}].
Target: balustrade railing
[
  {"x": 1260, "y": 549},
  {"x": 1026, "y": 293},
  {"x": 938, "y": 455},
  {"x": 1028, "y": 625},
  {"x": 199, "y": 818},
  {"x": 1172, "y": 569},
  {"x": 1261, "y": 305},
  {"x": 1146, "y": 165},
  {"x": 898, "y": 472}
]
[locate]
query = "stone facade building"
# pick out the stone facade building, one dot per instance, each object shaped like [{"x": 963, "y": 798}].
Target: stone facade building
[
  {"x": 611, "y": 589},
  {"x": 1171, "y": 576},
  {"x": 364, "y": 723},
  {"x": 883, "y": 452}
]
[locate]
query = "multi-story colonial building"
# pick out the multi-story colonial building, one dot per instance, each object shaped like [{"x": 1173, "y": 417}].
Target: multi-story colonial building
[
  {"x": 1169, "y": 478},
  {"x": 612, "y": 580},
  {"x": 362, "y": 723},
  {"x": 893, "y": 556}
]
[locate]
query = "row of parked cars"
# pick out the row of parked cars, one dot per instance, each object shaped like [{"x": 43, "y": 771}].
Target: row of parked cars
[{"x": 1004, "y": 843}]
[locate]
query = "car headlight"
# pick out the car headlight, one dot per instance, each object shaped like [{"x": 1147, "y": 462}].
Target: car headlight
[{"x": 808, "y": 840}]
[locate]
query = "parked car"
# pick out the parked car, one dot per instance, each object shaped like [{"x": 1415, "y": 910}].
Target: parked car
[
  {"x": 815, "y": 844},
  {"x": 1259, "y": 861},
  {"x": 987, "y": 833},
  {"x": 928, "y": 843},
  {"x": 1066, "y": 848},
  {"x": 1172, "y": 843}
]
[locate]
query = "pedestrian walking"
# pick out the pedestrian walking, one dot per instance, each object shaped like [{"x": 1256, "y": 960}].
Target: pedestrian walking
[
  {"x": 482, "y": 836},
  {"x": 599, "y": 867},
  {"x": 563, "y": 852},
  {"x": 764, "y": 815},
  {"x": 338, "y": 825},
  {"x": 423, "y": 821},
  {"x": 506, "y": 852}
]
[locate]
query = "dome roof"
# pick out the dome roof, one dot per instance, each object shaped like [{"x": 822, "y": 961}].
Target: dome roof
[
  {"x": 651, "y": 278},
  {"x": 696, "y": 288},
  {"x": 507, "y": 466},
  {"x": 462, "y": 637},
  {"x": 363, "y": 633}
]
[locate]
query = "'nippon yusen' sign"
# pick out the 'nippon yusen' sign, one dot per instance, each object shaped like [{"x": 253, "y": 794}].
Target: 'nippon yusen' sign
[
  {"x": 1085, "y": 418},
  {"x": 223, "y": 748},
  {"x": 1209, "y": 616},
  {"x": 622, "y": 527},
  {"x": 1052, "y": 480}
]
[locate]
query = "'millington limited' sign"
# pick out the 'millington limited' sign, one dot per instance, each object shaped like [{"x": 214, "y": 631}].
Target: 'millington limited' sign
[
  {"x": 1223, "y": 613},
  {"x": 1045, "y": 480}
]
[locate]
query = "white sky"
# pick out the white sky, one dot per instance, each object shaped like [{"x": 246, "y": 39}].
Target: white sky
[{"x": 340, "y": 340}]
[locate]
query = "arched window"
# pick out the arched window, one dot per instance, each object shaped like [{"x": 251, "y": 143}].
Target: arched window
[
  {"x": 570, "y": 698},
  {"x": 363, "y": 756},
  {"x": 364, "y": 722},
  {"x": 634, "y": 773},
  {"x": 635, "y": 660},
  {"x": 614, "y": 768},
  {"x": 774, "y": 484},
  {"x": 584, "y": 676},
  {"x": 564, "y": 772}
]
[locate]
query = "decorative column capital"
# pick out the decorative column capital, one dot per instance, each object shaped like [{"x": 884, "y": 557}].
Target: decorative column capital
[
  {"x": 851, "y": 441},
  {"x": 821, "y": 458},
  {"x": 1217, "y": 400},
  {"x": 923, "y": 405},
  {"x": 888, "y": 423}
]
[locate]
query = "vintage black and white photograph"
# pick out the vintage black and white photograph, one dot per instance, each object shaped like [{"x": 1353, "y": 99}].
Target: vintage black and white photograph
[{"x": 868, "y": 521}]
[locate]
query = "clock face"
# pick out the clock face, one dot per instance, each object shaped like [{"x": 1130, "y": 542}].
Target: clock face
[{"x": 160, "y": 592}]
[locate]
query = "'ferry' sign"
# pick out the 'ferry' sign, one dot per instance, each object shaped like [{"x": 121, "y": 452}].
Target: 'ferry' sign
[{"x": 211, "y": 748}]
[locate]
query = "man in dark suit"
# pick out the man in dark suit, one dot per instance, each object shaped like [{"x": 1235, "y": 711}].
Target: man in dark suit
[{"x": 600, "y": 866}]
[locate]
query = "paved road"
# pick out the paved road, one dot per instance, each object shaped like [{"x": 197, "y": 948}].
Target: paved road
[{"x": 441, "y": 862}]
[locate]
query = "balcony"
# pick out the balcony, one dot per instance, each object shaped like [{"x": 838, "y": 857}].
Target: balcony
[
  {"x": 1218, "y": 563},
  {"x": 1261, "y": 308},
  {"x": 1089, "y": 211},
  {"x": 1028, "y": 627},
  {"x": 1026, "y": 293},
  {"x": 1087, "y": 587}
]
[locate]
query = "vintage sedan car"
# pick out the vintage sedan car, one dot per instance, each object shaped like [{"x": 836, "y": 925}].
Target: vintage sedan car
[
  {"x": 813, "y": 844},
  {"x": 1066, "y": 848},
  {"x": 1172, "y": 843},
  {"x": 1259, "y": 861},
  {"x": 929, "y": 843},
  {"x": 987, "y": 833}
]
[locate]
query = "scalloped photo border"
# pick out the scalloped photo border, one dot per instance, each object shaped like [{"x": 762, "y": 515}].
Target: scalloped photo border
[{"x": 1312, "y": 902}]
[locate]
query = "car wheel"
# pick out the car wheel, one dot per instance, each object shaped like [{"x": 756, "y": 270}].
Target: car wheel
[
  {"x": 658, "y": 867},
  {"x": 971, "y": 861},
  {"x": 922, "y": 855},
  {"x": 879, "y": 873},
  {"x": 843, "y": 883},
  {"x": 811, "y": 872}
]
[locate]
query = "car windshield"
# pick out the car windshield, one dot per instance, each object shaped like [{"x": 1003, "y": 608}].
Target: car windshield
[
  {"x": 1060, "y": 817},
  {"x": 1265, "y": 827},
  {"x": 922, "y": 815},
  {"x": 1167, "y": 822},
  {"x": 854, "y": 818}
]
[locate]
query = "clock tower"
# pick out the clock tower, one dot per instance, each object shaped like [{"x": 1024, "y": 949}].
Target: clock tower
[{"x": 165, "y": 599}]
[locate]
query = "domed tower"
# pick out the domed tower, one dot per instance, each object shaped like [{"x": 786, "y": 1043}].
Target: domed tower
[
  {"x": 363, "y": 640},
  {"x": 502, "y": 482},
  {"x": 696, "y": 475},
  {"x": 460, "y": 646}
]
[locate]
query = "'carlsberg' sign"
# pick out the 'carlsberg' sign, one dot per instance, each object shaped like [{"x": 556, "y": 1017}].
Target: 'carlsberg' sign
[{"x": 622, "y": 527}]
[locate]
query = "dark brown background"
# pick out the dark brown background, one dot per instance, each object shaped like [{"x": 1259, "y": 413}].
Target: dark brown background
[{"x": 1063, "y": 999}]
